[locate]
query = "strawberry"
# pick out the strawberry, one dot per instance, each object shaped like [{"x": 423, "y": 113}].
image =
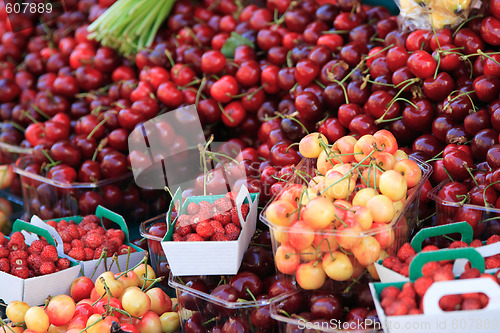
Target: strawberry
[
  {"x": 34, "y": 261},
  {"x": 184, "y": 220},
  {"x": 390, "y": 291},
  {"x": 3, "y": 239},
  {"x": 4, "y": 253},
  {"x": 470, "y": 273},
  {"x": 222, "y": 218},
  {"x": 458, "y": 244},
  {"x": 17, "y": 237},
  {"x": 409, "y": 259},
  {"x": 471, "y": 304},
  {"x": 493, "y": 239},
  {"x": 77, "y": 243},
  {"x": 89, "y": 253},
  {"x": 223, "y": 205},
  {"x": 61, "y": 225},
  {"x": 65, "y": 236},
  {"x": 235, "y": 219},
  {"x": 476, "y": 243},
  {"x": 99, "y": 252},
  {"x": 204, "y": 229},
  {"x": 231, "y": 196},
  {"x": 405, "y": 252},
  {"x": 4, "y": 265},
  {"x": 89, "y": 227},
  {"x": 125, "y": 249},
  {"x": 49, "y": 253},
  {"x": 443, "y": 274},
  {"x": 37, "y": 246},
  {"x": 450, "y": 302},
  {"x": 430, "y": 248},
  {"x": 177, "y": 238},
  {"x": 405, "y": 271},
  {"x": 429, "y": 267},
  {"x": 218, "y": 228},
  {"x": 52, "y": 223},
  {"x": 18, "y": 258},
  {"x": 219, "y": 237},
  {"x": 398, "y": 308},
  {"x": 192, "y": 209},
  {"x": 20, "y": 271},
  {"x": 407, "y": 291},
  {"x": 398, "y": 266},
  {"x": 199, "y": 218},
  {"x": 389, "y": 262},
  {"x": 492, "y": 262},
  {"x": 98, "y": 230},
  {"x": 386, "y": 302},
  {"x": 116, "y": 234},
  {"x": 415, "y": 312},
  {"x": 72, "y": 229},
  {"x": 63, "y": 263},
  {"x": 93, "y": 240},
  {"x": 77, "y": 254},
  {"x": 410, "y": 302},
  {"x": 422, "y": 284},
  {"x": 90, "y": 219},
  {"x": 193, "y": 238},
  {"x": 15, "y": 244},
  {"x": 232, "y": 231},
  {"x": 47, "y": 268},
  {"x": 207, "y": 209},
  {"x": 183, "y": 230},
  {"x": 245, "y": 208}
]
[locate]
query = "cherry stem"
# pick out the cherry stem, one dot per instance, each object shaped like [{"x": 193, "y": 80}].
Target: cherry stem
[
  {"x": 198, "y": 92},
  {"x": 251, "y": 295},
  {"x": 155, "y": 281},
  {"x": 435, "y": 158},
  {"x": 387, "y": 120},
  {"x": 341, "y": 84},
  {"x": 96, "y": 128},
  {"x": 484, "y": 191},
  {"x": 4, "y": 324},
  {"x": 17, "y": 126},
  {"x": 336, "y": 32},
  {"x": 464, "y": 23},
  {"x": 170, "y": 58},
  {"x": 143, "y": 261},
  {"x": 39, "y": 111},
  {"x": 224, "y": 112}
]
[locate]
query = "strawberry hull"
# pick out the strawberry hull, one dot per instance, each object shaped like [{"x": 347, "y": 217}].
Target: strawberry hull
[
  {"x": 35, "y": 290},
  {"x": 210, "y": 257}
]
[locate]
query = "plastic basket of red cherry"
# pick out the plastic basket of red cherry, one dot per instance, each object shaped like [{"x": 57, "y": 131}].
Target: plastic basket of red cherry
[
  {"x": 210, "y": 233},
  {"x": 346, "y": 205}
]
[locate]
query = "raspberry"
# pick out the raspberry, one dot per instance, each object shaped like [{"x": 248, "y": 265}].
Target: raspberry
[
  {"x": 47, "y": 268},
  {"x": 116, "y": 234},
  {"x": 49, "y": 253},
  {"x": 192, "y": 209},
  {"x": 77, "y": 254},
  {"x": 218, "y": 228},
  {"x": 222, "y": 218},
  {"x": 16, "y": 244},
  {"x": 89, "y": 253},
  {"x": 18, "y": 258},
  {"x": 37, "y": 246},
  {"x": 124, "y": 249},
  {"x": 405, "y": 252},
  {"x": 193, "y": 238},
  {"x": 184, "y": 230},
  {"x": 67, "y": 247},
  {"x": 204, "y": 229},
  {"x": 232, "y": 231},
  {"x": 476, "y": 243},
  {"x": 77, "y": 243},
  {"x": 52, "y": 223},
  {"x": 223, "y": 204},
  {"x": 63, "y": 263},
  {"x": 422, "y": 284},
  {"x": 493, "y": 239},
  {"x": 458, "y": 244},
  {"x": 219, "y": 237},
  {"x": 4, "y": 265},
  {"x": 93, "y": 240},
  {"x": 492, "y": 262},
  {"x": 34, "y": 261},
  {"x": 4, "y": 253},
  {"x": 90, "y": 219},
  {"x": 20, "y": 271},
  {"x": 177, "y": 238},
  {"x": 234, "y": 217}
]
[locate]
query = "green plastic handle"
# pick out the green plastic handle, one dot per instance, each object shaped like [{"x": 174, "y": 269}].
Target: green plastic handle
[
  {"x": 101, "y": 212},
  {"x": 475, "y": 258},
  {"x": 176, "y": 201},
  {"x": 21, "y": 225},
  {"x": 462, "y": 228}
]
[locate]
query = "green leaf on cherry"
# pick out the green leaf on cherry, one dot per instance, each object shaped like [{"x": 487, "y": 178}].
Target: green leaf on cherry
[{"x": 233, "y": 42}]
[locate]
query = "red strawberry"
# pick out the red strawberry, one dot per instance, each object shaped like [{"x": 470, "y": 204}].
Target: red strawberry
[
  {"x": 231, "y": 196},
  {"x": 77, "y": 243},
  {"x": 72, "y": 229},
  {"x": 98, "y": 230},
  {"x": 422, "y": 284},
  {"x": 183, "y": 230},
  {"x": 89, "y": 253},
  {"x": 89, "y": 226},
  {"x": 218, "y": 228},
  {"x": 4, "y": 265},
  {"x": 429, "y": 267},
  {"x": 223, "y": 205},
  {"x": 493, "y": 239},
  {"x": 232, "y": 231},
  {"x": 65, "y": 236},
  {"x": 390, "y": 291},
  {"x": 17, "y": 237},
  {"x": 34, "y": 261},
  {"x": 61, "y": 225},
  {"x": 77, "y": 254},
  {"x": 90, "y": 219},
  {"x": 20, "y": 271},
  {"x": 4, "y": 253},
  {"x": 177, "y": 238},
  {"x": 204, "y": 229},
  {"x": 458, "y": 244},
  {"x": 443, "y": 274},
  {"x": 199, "y": 218},
  {"x": 18, "y": 258},
  {"x": 193, "y": 238},
  {"x": 408, "y": 290},
  {"x": 386, "y": 302},
  {"x": 93, "y": 240},
  {"x": 3, "y": 239},
  {"x": 235, "y": 219},
  {"x": 405, "y": 252},
  {"x": 450, "y": 302},
  {"x": 49, "y": 253},
  {"x": 219, "y": 237},
  {"x": 222, "y": 218},
  {"x": 47, "y": 268},
  {"x": 207, "y": 209},
  {"x": 124, "y": 249},
  {"x": 471, "y": 304},
  {"x": 476, "y": 243},
  {"x": 14, "y": 245},
  {"x": 430, "y": 248},
  {"x": 405, "y": 271},
  {"x": 116, "y": 234},
  {"x": 410, "y": 302},
  {"x": 470, "y": 273},
  {"x": 99, "y": 252},
  {"x": 184, "y": 220},
  {"x": 398, "y": 267},
  {"x": 245, "y": 208},
  {"x": 492, "y": 262},
  {"x": 415, "y": 312},
  {"x": 398, "y": 308},
  {"x": 389, "y": 262},
  {"x": 192, "y": 209},
  {"x": 63, "y": 263},
  {"x": 37, "y": 246},
  {"x": 52, "y": 223}
]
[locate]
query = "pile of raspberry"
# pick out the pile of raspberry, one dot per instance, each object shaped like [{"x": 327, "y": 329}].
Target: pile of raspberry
[
  {"x": 88, "y": 239},
  {"x": 401, "y": 263},
  {"x": 207, "y": 221},
  {"x": 409, "y": 299},
  {"x": 25, "y": 261}
]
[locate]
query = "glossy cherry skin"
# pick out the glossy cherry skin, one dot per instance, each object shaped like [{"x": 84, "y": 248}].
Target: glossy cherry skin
[
  {"x": 482, "y": 141},
  {"x": 456, "y": 163},
  {"x": 247, "y": 284},
  {"x": 329, "y": 307}
]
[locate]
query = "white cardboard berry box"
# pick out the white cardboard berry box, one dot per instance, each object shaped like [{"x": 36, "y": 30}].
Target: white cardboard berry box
[
  {"x": 463, "y": 228},
  {"x": 35, "y": 290},
  {"x": 210, "y": 257},
  {"x": 434, "y": 319},
  {"x": 103, "y": 265}
]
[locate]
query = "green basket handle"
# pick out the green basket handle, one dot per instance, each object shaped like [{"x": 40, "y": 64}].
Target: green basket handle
[
  {"x": 21, "y": 225},
  {"x": 176, "y": 201},
  {"x": 462, "y": 228},
  {"x": 101, "y": 212},
  {"x": 475, "y": 258}
]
